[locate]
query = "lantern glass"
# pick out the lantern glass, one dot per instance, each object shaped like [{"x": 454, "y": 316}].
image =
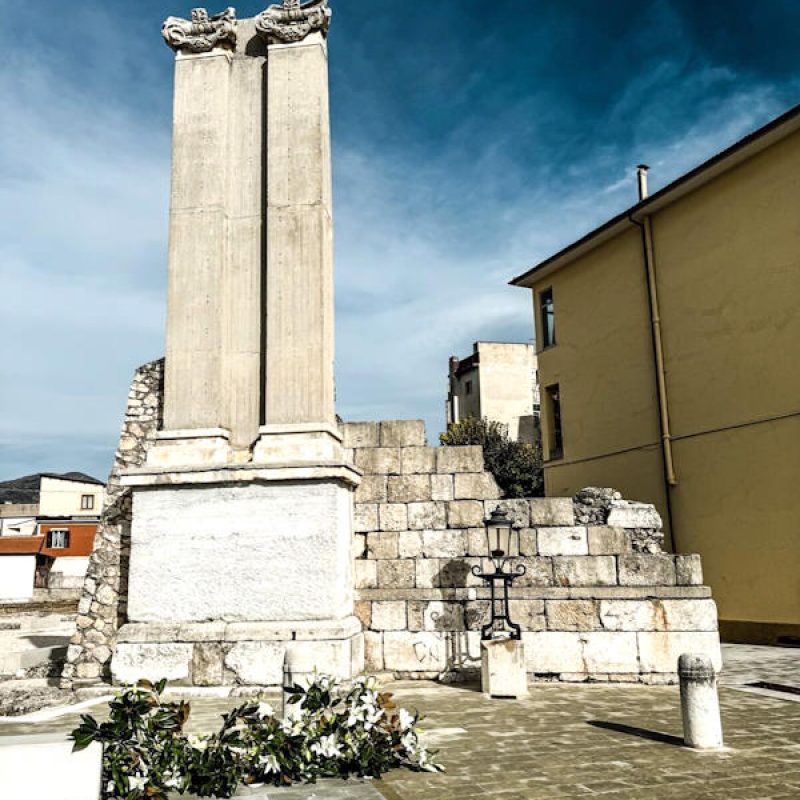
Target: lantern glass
[{"x": 501, "y": 538}]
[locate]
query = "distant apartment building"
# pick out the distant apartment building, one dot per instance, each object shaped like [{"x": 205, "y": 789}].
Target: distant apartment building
[
  {"x": 498, "y": 381},
  {"x": 46, "y": 540},
  {"x": 669, "y": 344}
]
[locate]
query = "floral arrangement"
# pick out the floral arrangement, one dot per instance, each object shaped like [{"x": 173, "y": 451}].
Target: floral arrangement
[{"x": 327, "y": 732}]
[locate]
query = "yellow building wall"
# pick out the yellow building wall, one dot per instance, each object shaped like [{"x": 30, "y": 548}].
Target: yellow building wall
[{"x": 728, "y": 265}]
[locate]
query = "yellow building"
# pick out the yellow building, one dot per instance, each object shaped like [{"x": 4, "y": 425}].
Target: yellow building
[{"x": 669, "y": 363}]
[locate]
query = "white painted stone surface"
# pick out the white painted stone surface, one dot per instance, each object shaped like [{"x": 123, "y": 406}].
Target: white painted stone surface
[
  {"x": 132, "y": 662},
  {"x": 503, "y": 669},
  {"x": 68, "y": 572},
  {"x": 241, "y": 553},
  {"x": 16, "y": 577},
  {"x": 44, "y": 766},
  {"x": 414, "y": 652}
]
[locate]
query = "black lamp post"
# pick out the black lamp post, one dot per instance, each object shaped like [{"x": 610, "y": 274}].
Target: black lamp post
[{"x": 503, "y": 542}]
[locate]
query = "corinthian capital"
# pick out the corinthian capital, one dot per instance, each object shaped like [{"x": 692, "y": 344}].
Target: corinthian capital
[
  {"x": 201, "y": 33},
  {"x": 293, "y": 20}
]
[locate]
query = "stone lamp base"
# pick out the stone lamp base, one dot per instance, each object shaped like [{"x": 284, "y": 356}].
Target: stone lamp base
[{"x": 503, "y": 671}]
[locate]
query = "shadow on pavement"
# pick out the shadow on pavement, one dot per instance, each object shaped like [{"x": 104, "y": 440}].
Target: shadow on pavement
[{"x": 642, "y": 733}]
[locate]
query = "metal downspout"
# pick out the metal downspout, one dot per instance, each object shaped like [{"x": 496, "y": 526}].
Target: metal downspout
[{"x": 661, "y": 378}]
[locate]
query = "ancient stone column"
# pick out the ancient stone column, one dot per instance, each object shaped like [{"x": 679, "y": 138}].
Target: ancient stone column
[{"x": 242, "y": 515}]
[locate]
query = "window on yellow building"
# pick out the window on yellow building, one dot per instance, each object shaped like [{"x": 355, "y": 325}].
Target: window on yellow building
[
  {"x": 87, "y": 502},
  {"x": 547, "y": 316},
  {"x": 555, "y": 438}
]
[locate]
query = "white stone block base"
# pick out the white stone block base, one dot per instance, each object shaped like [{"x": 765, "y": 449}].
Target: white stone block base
[
  {"x": 237, "y": 654},
  {"x": 503, "y": 670}
]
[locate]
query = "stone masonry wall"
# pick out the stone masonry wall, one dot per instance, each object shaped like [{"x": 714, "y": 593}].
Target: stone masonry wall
[
  {"x": 102, "y": 606},
  {"x": 600, "y": 601}
]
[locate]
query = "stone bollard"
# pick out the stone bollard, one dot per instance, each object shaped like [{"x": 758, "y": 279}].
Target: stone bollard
[{"x": 702, "y": 726}]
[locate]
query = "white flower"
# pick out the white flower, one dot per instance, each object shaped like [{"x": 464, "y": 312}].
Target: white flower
[
  {"x": 265, "y": 710},
  {"x": 406, "y": 720},
  {"x": 270, "y": 764},
  {"x": 137, "y": 782},
  {"x": 327, "y": 747},
  {"x": 198, "y": 742}
]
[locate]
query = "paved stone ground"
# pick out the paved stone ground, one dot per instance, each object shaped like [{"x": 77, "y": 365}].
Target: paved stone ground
[{"x": 621, "y": 742}]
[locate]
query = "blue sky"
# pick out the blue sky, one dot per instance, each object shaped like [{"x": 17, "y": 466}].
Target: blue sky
[{"x": 470, "y": 138}]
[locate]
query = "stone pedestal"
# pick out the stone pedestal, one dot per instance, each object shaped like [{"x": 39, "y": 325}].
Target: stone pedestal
[{"x": 503, "y": 672}]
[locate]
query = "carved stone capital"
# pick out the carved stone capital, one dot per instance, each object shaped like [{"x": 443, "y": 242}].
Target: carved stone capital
[
  {"x": 201, "y": 33},
  {"x": 293, "y": 20}
]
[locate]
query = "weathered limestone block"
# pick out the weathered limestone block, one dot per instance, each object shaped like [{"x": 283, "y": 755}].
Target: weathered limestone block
[
  {"x": 444, "y": 543},
  {"x": 553, "y": 652},
  {"x": 572, "y": 615},
  {"x": 476, "y": 486},
  {"x": 632, "y": 615},
  {"x": 435, "y": 615},
  {"x": 359, "y": 545},
  {"x": 551, "y": 511},
  {"x": 360, "y": 434},
  {"x": 414, "y": 652},
  {"x": 477, "y": 542},
  {"x": 539, "y": 572},
  {"x": 610, "y": 652},
  {"x": 378, "y": 460},
  {"x": 659, "y": 652},
  {"x": 428, "y": 573},
  {"x": 688, "y": 570},
  {"x": 690, "y": 615},
  {"x": 397, "y": 574},
  {"x": 607, "y": 541},
  {"x": 625, "y": 514},
  {"x": 459, "y": 459},
  {"x": 393, "y": 517},
  {"x": 584, "y": 570},
  {"x": 456, "y": 573},
  {"x": 503, "y": 669},
  {"x": 207, "y": 661},
  {"x": 403, "y": 433},
  {"x": 410, "y": 544},
  {"x": 362, "y": 609},
  {"x": 528, "y": 542},
  {"x": 383, "y": 544},
  {"x": 365, "y": 574},
  {"x": 418, "y": 460},
  {"x": 563, "y": 541},
  {"x": 465, "y": 514},
  {"x": 642, "y": 569},
  {"x": 257, "y": 663},
  {"x": 373, "y": 489},
  {"x": 365, "y": 517},
  {"x": 592, "y": 505},
  {"x": 409, "y": 488},
  {"x": 528, "y": 614},
  {"x": 133, "y": 661},
  {"x": 199, "y": 632},
  {"x": 442, "y": 487},
  {"x": 518, "y": 510},
  {"x": 389, "y": 615},
  {"x": 373, "y": 651},
  {"x": 427, "y": 515}
]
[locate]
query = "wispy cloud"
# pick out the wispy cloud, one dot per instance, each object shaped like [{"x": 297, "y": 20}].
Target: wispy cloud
[{"x": 461, "y": 158}]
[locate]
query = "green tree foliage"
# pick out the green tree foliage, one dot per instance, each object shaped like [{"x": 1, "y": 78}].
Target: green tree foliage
[{"x": 516, "y": 466}]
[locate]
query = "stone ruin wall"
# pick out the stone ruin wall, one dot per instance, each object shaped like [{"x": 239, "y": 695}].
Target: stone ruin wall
[
  {"x": 600, "y": 600},
  {"x": 102, "y": 606}
]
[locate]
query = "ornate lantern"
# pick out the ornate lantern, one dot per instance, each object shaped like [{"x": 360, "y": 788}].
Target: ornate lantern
[{"x": 503, "y": 544}]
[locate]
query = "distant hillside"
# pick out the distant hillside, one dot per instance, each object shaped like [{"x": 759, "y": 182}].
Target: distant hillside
[{"x": 26, "y": 489}]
